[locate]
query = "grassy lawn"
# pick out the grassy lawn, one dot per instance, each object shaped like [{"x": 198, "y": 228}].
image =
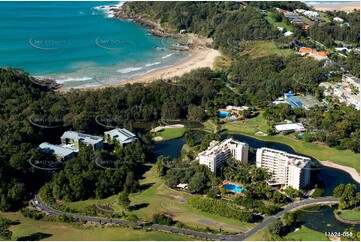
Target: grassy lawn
[
  {"x": 222, "y": 63},
  {"x": 30, "y": 229},
  {"x": 251, "y": 126},
  {"x": 306, "y": 234},
  {"x": 278, "y": 24},
  {"x": 352, "y": 214},
  {"x": 171, "y": 133},
  {"x": 263, "y": 48},
  {"x": 303, "y": 234},
  {"x": 158, "y": 198}
]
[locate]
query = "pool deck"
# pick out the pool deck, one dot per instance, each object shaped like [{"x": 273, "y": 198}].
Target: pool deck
[
  {"x": 233, "y": 112},
  {"x": 234, "y": 183}
]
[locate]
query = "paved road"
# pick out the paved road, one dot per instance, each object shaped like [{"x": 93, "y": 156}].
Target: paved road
[
  {"x": 325, "y": 200},
  {"x": 287, "y": 208}
]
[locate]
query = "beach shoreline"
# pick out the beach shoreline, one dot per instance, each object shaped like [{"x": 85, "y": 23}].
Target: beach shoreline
[
  {"x": 200, "y": 56},
  {"x": 345, "y": 6}
]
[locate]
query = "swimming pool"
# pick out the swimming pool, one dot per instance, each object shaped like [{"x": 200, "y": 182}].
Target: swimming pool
[
  {"x": 222, "y": 114},
  {"x": 234, "y": 188}
]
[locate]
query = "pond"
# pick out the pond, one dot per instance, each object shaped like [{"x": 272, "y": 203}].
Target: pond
[
  {"x": 331, "y": 177},
  {"x": 323, "y": 220}
]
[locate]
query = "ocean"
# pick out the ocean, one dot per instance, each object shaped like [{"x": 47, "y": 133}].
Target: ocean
[{"x": 79, "y": 44}]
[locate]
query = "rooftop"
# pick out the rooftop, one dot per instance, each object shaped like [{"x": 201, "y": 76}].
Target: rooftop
[
  {"x": 309, "y": 101},
  {"x": 294, "y": 126},
  {"x": 355, "y": 79},
  {"x": 86, "y": 138},
  {"x": 293, "y": 160},
  {"x": 122, "y": 135},
  {"x": 55, "y": 149},
  {"x": 294, "y": 102},
  {"x": 216, "y": 146}
]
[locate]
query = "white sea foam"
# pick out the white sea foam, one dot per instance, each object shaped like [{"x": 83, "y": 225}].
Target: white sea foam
[
  {"x": 87, "y": 86},
  {"x": 107, "y": 9},
  {"x": 153, "y": 64},
  {"x": 166, "y": 56},
  {"x": 129, "y": 69},
  {"x": 72, "y": 79}
]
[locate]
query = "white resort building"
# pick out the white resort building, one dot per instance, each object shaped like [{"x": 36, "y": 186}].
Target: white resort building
[
  {"x": 123, "y": 136},
  {"x": 219, "y": 152},
  {"x": 284, "y": 168}
]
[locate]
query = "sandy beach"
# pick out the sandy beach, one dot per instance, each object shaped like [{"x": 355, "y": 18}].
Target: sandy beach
[
  {"x": 199, "y": 56},
  {"x": 352, "y": 171},
  {"x": 345, "y": 6}
]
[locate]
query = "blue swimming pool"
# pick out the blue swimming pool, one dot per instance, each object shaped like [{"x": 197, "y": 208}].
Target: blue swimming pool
[
  {"x": 222, "y": 114},
  {"x": 234, "y": 188}
]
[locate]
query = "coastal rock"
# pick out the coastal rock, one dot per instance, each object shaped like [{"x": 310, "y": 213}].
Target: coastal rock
[{"x": 155, "y": 28}]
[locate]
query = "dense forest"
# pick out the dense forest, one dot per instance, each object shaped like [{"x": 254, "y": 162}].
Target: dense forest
[{"x": 328, "y": 33}]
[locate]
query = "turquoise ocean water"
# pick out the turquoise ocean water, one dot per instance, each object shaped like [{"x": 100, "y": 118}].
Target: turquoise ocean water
[{"x": 78, "y": 43}]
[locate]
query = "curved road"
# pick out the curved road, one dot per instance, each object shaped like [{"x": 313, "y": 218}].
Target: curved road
[{"x": 292, "y": 206}]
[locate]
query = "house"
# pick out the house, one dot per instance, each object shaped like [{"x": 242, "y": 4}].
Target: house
[
  {"x": 298, "y": 127},
  {"x": 313, "y": 53},
  {"x": 61, "y": 153},
  {"x": 341, "y": 49},
  {"x": 182, "y": 185},
  {"x": 342, "y": 92},
  {"x": 306, "y": 26},
  {"x": 122, "y": 136},
  {"x": 288, "y": 33},
  {"x": 304, "y": 50},
  {"x": 72, "y": 139},
  {"x": 300, "y": 10},
  {"x": 337, "y": 19},
  {"x": 351, "y": 79},
  {"x": 311, "y": 14}
]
